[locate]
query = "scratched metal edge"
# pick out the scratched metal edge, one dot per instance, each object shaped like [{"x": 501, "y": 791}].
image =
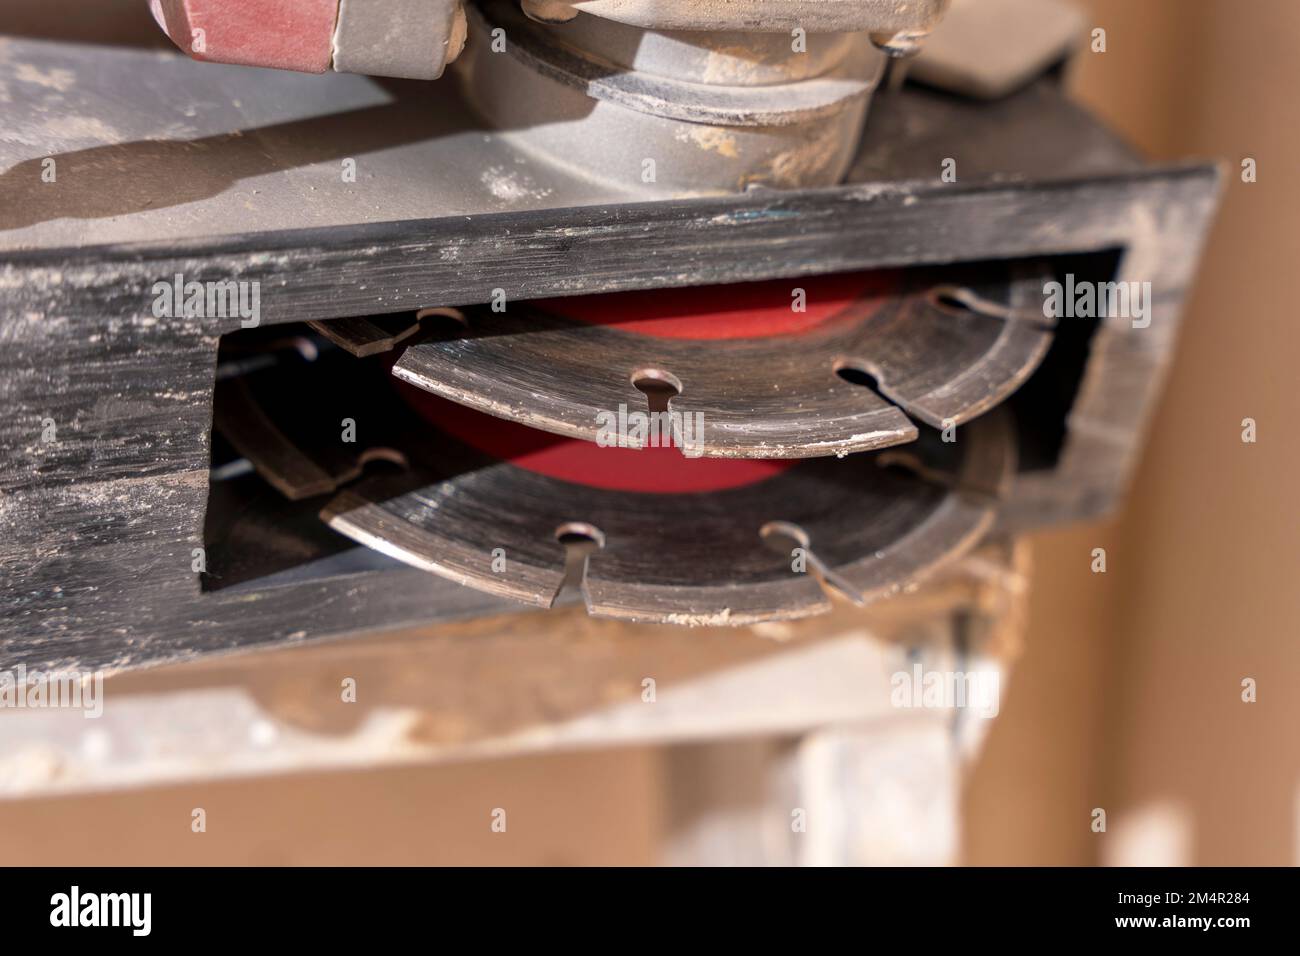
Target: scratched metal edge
[{"x": 717, "y": 212}]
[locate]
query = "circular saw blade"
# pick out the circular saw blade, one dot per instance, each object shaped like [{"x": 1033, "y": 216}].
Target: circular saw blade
[
  {"x": 764, "y": 381},
  {"x": 862, "y": 526}
]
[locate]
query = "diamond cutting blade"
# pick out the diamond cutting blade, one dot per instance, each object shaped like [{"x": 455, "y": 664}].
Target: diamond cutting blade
[
  {"x": 488, "y": 503},
  {"x": 766, "y": 380}
]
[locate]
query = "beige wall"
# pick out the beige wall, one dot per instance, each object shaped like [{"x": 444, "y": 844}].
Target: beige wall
[
  {"x": 574, "y": 809},
  {"x": 1129, "y": 695}
]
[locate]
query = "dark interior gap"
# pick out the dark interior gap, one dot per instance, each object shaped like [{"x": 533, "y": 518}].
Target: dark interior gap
[{"x": 254, "y": 537}]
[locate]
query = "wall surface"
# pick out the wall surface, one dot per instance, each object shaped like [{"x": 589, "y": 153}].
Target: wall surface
[{"x": 1129, "y": 696}]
